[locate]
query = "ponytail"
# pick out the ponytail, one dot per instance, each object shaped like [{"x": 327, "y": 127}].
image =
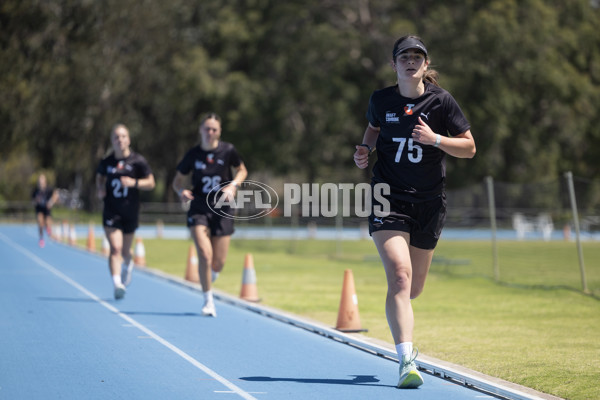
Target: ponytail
[{"x": 431, "y": 76}]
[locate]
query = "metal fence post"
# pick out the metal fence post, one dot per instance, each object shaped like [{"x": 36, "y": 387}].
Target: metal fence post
[
  {"x": 492, "y": 206},
  {"x": 569, "y": 176}
]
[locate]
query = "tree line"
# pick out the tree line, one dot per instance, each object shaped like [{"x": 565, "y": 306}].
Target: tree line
[{"x": 291, "y": 80}]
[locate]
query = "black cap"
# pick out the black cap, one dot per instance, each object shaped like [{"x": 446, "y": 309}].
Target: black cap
[{"x": 407, "y": 44}]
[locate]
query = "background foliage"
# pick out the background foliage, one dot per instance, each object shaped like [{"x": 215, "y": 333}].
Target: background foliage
[{"x": 292, "y": 82}]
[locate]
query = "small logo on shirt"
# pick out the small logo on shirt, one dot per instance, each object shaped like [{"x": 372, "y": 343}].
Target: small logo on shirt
[
  {"x": 210, "y": 158},
  {"x": 425, "y": 115},
  {"x": 118, "y": 168},
  {"x": 378, "y": 220},
  {"x": 199, "y": 165},
  {"x": 220, "y": 162},
  {"x": 408, "y": 109},
  {"x": 391, "y": 117}
]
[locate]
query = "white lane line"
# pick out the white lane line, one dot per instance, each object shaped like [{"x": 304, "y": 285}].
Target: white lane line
[
  {"x": 131, "y": 321},
  {"x": 230, "y": 392}
]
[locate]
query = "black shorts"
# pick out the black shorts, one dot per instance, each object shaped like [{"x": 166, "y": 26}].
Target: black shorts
[
  {"x": 216, "y": 224},
  {"x": 424, "y": 221},
  {"x": 127, "y": 224},
  {"x": 44, "y": 210}
]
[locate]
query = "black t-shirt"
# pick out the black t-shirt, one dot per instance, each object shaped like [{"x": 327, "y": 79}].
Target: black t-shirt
[
  {"x": 42, "y": 196},
  {"x": 414, "y": 171},
  {"x": 209, "y": 169},
  {"x": 123, "y": 200}
]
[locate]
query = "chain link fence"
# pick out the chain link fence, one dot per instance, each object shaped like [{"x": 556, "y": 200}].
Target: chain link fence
[{"x": 544, "y": 233}]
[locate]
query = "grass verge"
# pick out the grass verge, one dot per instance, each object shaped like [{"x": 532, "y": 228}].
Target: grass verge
[{"x": 535, "y": 327}]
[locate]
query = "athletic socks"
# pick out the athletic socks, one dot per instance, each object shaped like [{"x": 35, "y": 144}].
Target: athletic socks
[
  {"x": 208, "y": 297},
  {"x": 117, "y": 280},
  {"x": 215, "y": 275},
  {"x": 404, "y": 349}
]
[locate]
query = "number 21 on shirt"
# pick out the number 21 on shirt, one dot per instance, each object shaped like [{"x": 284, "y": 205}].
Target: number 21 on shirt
[{"x": 119, "y": 190}]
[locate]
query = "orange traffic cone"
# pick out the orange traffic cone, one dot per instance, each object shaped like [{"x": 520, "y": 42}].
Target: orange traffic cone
[
  {"x": 56, "y": 233},
  {"x": 348, "y": 318},
  {"x": 72, "y": 235},
  {"x": 105, "y": 246},
  {"x": 249, "y": 291},
  {"x": 191, "y": 271},
  {"x": 139, "y": 253},
  {"x": 91, "y": 240}
]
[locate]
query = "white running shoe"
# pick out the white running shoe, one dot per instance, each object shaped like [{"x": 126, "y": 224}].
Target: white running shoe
[
  {"x": 209, "y": 309},
  {"x": 126, "y": 273},
  {"x": 410, "y": 378},
  {"x": 119, "y": 292}
]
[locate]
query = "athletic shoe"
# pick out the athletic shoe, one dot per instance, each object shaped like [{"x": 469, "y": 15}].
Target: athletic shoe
[
  {"x": 42, "y": 243},
  {"x": 119, "y": 292},
  {"x": 409, "y": 376},
  {"x": 126, "y": 273},
  {"x": 209, "y": 309}
]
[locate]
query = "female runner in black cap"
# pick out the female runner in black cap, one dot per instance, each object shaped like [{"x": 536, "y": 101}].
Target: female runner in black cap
[{"x": 413, "y": 125}]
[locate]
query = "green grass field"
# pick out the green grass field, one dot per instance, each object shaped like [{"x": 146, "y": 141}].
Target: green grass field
[{"x": 535, "y": 327}]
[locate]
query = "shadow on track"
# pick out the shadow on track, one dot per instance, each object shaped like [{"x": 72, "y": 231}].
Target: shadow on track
[
  {"x": 88, "y": 300},
  {"x": 362, "y": 380}
]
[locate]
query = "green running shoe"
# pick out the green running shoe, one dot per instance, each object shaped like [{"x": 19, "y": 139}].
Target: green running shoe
[
  {"x": 119, "y": 292},
  {"x": 410, "y": 378}
]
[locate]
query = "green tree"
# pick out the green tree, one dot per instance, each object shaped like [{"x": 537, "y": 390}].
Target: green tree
[
  {"x": 526, "y": 73},
  {"x": 292, "y": 82}
]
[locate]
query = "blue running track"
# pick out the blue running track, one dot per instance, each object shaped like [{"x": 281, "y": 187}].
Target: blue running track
[{"x": 63, "y": 336}]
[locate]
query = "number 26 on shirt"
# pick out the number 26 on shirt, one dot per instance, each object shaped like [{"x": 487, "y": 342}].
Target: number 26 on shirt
[{"x": 210, "y": 182}]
